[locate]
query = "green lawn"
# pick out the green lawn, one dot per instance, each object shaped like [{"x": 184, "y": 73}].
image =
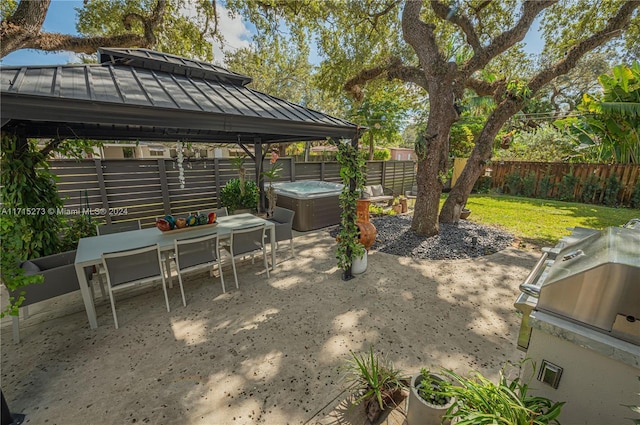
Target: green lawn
[{"x": 542, "y": 222}]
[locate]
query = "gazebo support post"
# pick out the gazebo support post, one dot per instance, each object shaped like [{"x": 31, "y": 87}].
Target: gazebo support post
[{"x": 257, "y": 150}]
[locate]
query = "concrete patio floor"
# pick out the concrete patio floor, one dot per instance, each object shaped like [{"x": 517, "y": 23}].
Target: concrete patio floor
[{"x": 270, "y": 352}]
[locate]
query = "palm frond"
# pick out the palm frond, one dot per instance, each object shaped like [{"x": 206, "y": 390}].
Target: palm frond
[{"x": 628, "y": 109}]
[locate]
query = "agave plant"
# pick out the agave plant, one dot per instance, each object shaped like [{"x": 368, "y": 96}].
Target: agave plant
[{"x": 376, "y": 381}]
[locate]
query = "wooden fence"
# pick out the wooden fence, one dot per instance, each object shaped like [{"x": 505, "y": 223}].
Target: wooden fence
[
  {"x": 553, "y": 173},
  {"x": 144, "y": 189}
]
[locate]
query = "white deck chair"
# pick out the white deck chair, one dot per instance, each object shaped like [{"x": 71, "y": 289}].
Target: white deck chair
[
  {"x": 195, "y": 254},
  {"x": 133, "y": 267},
  {"x": 247, "y": 241}
]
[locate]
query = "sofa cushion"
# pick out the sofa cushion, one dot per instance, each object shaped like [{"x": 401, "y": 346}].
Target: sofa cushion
[
  {"x": 366, "y": 192},
  {"x": 29, "y": 267},
  {"x": 377, "y": 190}
]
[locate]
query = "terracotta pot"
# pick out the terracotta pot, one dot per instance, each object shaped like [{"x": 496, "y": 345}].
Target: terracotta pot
[
  {"x": 397, "y": 208},
  {"x": 362, "y": 210},
  {"x": 465, "y": 213},
  {"x": 367, "y": 230},
  {"x": 368, "y": 233},
  {"x": 405, "y": 206}
]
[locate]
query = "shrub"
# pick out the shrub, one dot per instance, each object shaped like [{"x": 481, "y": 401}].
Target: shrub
[
  {"x": 25, "y": 182},
  {"x": 546, "y": 144},
  {"x": 611, "y": 191},
  {"x": 513, "y": 183},
  {"x": 232, "y": 198},
  {"x": 78, "y": 227},
  {"x": 483, "y": 184},
  {"x": 381, "y": 154},
  {"x": 635, "y": 195},
  {"x": 591, "y": 189},
  {"x": 567, "y": 187},
  {"x": 546, "y": 186},
  {"x": 478, "y": 401},
  {"x": 529, "y": 185}
]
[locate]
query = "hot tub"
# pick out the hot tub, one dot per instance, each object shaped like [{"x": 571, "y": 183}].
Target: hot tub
[{"x": 315, "y": 203}]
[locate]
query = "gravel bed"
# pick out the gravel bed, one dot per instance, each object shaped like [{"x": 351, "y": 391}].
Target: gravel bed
[{"x": 464, "y": 239}]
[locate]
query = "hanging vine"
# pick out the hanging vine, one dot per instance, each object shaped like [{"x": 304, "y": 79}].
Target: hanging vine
[{"x": 352, "y": 169}]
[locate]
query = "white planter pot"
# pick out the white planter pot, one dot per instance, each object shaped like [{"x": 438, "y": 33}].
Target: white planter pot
[
  {"x": 359, "y": 265},
  {"x": 419, "y": 412}
]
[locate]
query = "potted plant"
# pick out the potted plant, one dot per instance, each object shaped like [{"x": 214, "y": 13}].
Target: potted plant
[
  {"x": 478, "y": 401},
  {"x": 429, "y": 399},
  {"x": 376, "y": 383},
  {"x": 359, "y": 260},
  {"x": 239, "y": 197}
]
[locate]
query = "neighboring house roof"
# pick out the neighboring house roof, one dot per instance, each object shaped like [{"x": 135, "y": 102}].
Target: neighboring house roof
[{"x": 138, "y": 94}]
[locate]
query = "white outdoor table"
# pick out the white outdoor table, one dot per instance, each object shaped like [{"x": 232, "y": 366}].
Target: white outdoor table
[{"x": 90, "y": 249}]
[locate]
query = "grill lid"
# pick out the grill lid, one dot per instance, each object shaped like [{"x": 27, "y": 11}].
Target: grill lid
[
  {"x": 612, "y": 245},
  {"x": 595, "y": 280}
]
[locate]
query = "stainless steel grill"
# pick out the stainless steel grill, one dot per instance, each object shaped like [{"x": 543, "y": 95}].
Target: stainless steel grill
[
  {"x": 581, "y": 323},
  {"x": 591, "y": 277}
]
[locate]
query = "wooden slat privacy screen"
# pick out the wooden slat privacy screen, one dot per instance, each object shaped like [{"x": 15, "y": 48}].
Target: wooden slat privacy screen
[{"x": 145, "y": 189}]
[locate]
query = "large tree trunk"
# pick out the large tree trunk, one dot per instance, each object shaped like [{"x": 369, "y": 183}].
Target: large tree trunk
[
  {"x": 433, "y": 160},
  {"x": 23, "y": 26},
  {"x": 479, "y": 156}
]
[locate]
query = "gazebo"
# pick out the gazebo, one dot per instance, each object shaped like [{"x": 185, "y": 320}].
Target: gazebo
[{"x": 140, "y": 94}]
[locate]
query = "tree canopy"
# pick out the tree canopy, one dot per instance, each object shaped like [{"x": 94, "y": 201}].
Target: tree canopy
[{"x": 446, "y": 51}]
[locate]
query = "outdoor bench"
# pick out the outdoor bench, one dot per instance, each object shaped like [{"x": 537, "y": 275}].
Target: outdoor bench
[{"x": 376, "y": 193}]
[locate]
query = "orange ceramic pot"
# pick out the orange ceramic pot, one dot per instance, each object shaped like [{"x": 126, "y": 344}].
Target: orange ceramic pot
[
  {"x": 362, "y": 210},
  {"x": 181, "y": 223},
  {"x": 368, "y": 231}
]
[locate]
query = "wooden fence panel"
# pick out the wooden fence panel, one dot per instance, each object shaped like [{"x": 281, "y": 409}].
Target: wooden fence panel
[
  {"x": 375, "y": 170},
  {"x": 309, "y": 170},
  {"x": 138, "y": 179},
  {"x": 149, "y": 188},
  {"x": 77, "y": 184},
  {"x": 627, "y": 175}
]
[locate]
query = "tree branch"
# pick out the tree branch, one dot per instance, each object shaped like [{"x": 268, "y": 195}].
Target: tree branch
[
  {"x": 51, "y": 146},
  {"x": 507, "y": 39},
  {"x": 446, "y": 13},
  {"x": 22, "y": 31},
  {"x": 52, "y": 42},
  {"x": 377, "y": 15},
  {"x": 392, "y": 69},
  {"x": 613, "y": 28},
  {"x": 484, "y": 88},
  {"x": 420, "y": 36}
]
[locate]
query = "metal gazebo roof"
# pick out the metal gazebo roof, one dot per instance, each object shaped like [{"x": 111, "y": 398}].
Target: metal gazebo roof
[{"x": 139, "y": 94}]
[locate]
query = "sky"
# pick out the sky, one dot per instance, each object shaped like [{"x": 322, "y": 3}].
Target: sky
[{"x": 62, "y": 18}]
